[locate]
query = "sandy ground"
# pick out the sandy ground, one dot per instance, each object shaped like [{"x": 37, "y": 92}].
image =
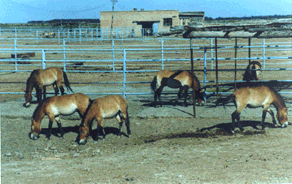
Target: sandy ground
[{"x": 167, "y": 145}]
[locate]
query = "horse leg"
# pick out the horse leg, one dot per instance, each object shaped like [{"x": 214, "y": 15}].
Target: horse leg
[
  {"x": 273, "y": 116},
  {"x": 157, "y": 95},
  {"x": 51, "y": 119},
  {"x": 99, "y": 127},
  {"x": 178, "y": 95},
  {"x": 55, "y": 86},
  {"x": 44, "y": 92},
  {"x": 59, "y": 125},
  {"x": 186, "y": 88},
  {"x": 236, "y": 115},
  {"x": 39, "y": 94}
]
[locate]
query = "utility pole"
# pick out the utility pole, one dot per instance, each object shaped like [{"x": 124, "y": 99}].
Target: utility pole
[{"x": 113, "y": 8}]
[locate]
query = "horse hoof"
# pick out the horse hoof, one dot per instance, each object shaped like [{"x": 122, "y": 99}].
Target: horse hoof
[{"x": 82, "y": 142}]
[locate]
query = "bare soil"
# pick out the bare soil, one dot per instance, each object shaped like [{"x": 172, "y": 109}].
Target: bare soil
[{"x": 161, "y": 149}]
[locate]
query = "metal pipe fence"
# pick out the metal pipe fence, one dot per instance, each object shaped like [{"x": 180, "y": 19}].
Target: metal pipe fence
[{"x": 127, "y": 61}]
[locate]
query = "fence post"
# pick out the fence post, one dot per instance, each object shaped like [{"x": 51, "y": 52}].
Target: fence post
[
  {"x": 205, "y": 67},
  {"x": 15, "y": 50},
  {"x": 113, "y": 47},
  {"x": 124, "y": 73},
  {"x": 79, "y": 35},
  {"x": 43, "y": 59},
  {"x": 192, "y": 70},
  {"x": 264, "y": 53},
  {"x": 211, "y": 50},
  {"x": 68, "y": 35},
  {"x": 64, "y": 54},
  {"x": 58, "y": 36},
  {"x": 96, "y": 32},
  {"x": 101, "y": 35},
  {"x": 162, "y": 56},
  {"x": 37, "y": 34}
]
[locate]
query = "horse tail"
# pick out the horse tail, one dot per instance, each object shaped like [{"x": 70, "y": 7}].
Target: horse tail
[
  {"x": 67, "y": 84},
  {"x": 153, "y": 84},
  {"x": 223, "y": 101}
]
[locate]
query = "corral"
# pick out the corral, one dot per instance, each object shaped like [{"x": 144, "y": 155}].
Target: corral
[{"x": 167, "y": 144}]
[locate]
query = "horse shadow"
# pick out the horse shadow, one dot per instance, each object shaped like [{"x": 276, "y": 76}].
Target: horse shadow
[
  {"x": 227, "y": 127},
  {"x": 107, "y": 131},
  {"x": 57, "y": 132}
]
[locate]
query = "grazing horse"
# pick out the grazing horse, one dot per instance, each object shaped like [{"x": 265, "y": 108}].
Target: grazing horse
[
  {"x": 41, "y": 78},
  {"x": 49, "y": 35},
  {"x": 55, "y": 106},
  {"x": 106, "y": 107},
  {"x": 259, "y": 96},
  {"x": 177, "y": 79},
  {"x": 252, "y": 71}
]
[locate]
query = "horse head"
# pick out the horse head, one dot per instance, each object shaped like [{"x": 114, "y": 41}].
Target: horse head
[
  {"x": 201, "y": 96},
  {"x": 282, "y": 116},
  {"x": 83, "y": 134},
  {"x": 28, "y": 98},
  {"x": 35, "y": 129}
]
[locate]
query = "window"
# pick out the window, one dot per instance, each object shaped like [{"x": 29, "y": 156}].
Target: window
[{"x": 167, "y": 22}]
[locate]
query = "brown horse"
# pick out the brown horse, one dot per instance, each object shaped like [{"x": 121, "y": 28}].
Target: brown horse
[
  {"x": 177, "y": 79},
  {"x": 55, "y": 106},
  {"x": 259, "y": 96},
  {"x": 42, "y": 78},
  {"x": 252, "y": 71},
  {"x": 106, "y": 107}
]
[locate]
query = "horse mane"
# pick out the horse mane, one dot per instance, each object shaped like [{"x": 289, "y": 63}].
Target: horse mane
[
  {"x": 31, "y": 80},
  {"x": 37, "y": 109},
  {"x": 280, "y": 97},
  {"x": 86, "y": 112},
  {"x": 196, "y": 79}
]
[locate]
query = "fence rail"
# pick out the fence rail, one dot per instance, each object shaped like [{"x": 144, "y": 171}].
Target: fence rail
[{"x": 125, "y": 59}]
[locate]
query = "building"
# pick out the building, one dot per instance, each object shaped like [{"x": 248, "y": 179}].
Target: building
[{"x": 147, "y": 21}]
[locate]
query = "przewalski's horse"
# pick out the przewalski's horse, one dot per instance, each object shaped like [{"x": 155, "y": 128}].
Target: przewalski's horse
[
  {"x": 49, "y": 35},
  {"x": 55, "y": 106},
  {"x": 106, "y": 107},
  {"x": 259, "y": 96},
  {"x": 252, "y": 71},
  {"x": 176, "y": 79},
  {"x": 41, "y": 78}
]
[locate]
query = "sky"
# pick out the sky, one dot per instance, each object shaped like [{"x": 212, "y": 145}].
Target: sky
[{"x": 22, "y": 11}]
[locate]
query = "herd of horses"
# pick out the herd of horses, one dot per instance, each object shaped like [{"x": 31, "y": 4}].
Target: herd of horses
[{"x": 116, "y": 106}]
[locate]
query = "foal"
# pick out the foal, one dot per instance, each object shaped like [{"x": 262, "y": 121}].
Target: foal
[
  {"x": 259, "y": 96},
  {"x": 41, "y": 78},
  {"x": 106, "y": 107},
  {"x": 177, "y": 79},
  {"x": 55, "y": 106}
]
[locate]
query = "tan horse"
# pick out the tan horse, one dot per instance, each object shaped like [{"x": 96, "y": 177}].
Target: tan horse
[
  {"x": 176, "y": 79},
  {"x": 252, "y": 71},
  {"x": 259, "y": 96},
  {"x": 55, "y": 106},
  {"x": 42, "y": 78},
  {"x": 106, "y": 107},
  {"x": 49, "y": 35}
]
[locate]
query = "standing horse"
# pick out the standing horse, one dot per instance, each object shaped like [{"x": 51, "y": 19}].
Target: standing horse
[
  {"x": 259, "y": 96},
  {"x": 55, "y": 106},
  {"x": 252, "y": 71},
  {"x": 41, "y": 78},
  {"x": 106, "y": 107},
  {"x": 177, "y": 79}
]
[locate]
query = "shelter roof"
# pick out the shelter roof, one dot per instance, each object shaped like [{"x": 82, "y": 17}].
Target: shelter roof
[{"x": 252, "y": 29}]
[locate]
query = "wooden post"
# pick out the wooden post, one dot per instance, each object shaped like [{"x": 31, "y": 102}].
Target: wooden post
[
  {"x": 235, "y": 63},
  {"x": 216, "y": 55},
  {"x": 192, "y": 71}
]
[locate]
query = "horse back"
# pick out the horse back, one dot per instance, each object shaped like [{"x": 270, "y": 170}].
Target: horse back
[
  {"x": 109, "y": 106},
  {"x": 184, "y": 77},
  {"x": 254, "y": 96},
  {"x": 50, "y": 75},
  {"x": 67, "y": 104}
]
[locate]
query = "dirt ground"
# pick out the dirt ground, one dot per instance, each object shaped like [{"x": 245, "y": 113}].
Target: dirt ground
[
  {"x": 166, "y": 146},
  {"x": 161, "y": 149}
]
